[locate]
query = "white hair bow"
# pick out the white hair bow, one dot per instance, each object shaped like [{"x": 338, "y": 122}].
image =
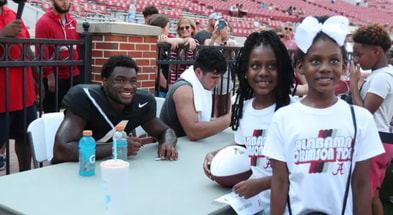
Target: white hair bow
[{"x": 336, "y": 27}]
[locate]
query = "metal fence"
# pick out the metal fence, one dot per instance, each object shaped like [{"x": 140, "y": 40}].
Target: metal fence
[
  {"x": 170, "y": 61},
  {"x": 37, "y": 62}
]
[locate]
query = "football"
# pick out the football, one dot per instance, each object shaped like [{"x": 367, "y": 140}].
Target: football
[{"x": 230, "y": 166}]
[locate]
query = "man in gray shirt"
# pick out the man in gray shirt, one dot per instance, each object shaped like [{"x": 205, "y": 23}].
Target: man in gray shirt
[{"x": 206, "y": 33}]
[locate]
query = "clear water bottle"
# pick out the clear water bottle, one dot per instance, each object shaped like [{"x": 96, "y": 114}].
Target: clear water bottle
[
  {"x": 120, "y": 142},
  {"x": 132, "y": 12},
  {"x": 87, "y": 154}
]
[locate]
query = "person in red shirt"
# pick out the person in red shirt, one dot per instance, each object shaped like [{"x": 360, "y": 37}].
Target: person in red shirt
[
  {"x": 21, "y": 96},
  {"x": 57, "y": 23}
]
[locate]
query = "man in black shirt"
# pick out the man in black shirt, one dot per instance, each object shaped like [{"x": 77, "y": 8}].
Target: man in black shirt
[{"x": 101, "y": 108}]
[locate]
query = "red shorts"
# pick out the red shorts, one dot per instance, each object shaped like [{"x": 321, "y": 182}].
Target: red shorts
[{"x": 379, "y": 164}]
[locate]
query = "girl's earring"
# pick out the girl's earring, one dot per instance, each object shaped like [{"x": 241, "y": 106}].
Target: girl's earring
[{"x": 245, "y": 77}]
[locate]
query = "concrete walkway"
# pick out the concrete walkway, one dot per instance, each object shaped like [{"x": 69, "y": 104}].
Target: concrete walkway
[{"x": 14, "y": 166}]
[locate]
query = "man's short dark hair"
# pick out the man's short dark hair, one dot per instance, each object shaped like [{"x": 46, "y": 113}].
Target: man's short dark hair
[
  {"x": 211, "y": 59},
  {"x": 149, "y": 10},
  {"x": 159, "y": 20},
  {"x": 117, "y": 60}
]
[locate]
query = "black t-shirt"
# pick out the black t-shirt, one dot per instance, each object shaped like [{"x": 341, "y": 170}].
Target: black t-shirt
[{"x": 141, "y": 109}]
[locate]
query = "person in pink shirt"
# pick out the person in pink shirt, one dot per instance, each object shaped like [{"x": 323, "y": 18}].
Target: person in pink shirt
[{"x": 287, "y": 29}]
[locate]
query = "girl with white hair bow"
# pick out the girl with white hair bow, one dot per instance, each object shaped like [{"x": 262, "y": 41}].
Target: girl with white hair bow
[{"x": 320, "y": 154}]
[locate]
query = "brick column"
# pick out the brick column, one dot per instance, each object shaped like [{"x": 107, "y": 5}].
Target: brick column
[{"x": 135, "y": 40}]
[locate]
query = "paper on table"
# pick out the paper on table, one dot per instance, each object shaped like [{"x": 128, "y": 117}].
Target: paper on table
[{"x": 240, "y": 205}]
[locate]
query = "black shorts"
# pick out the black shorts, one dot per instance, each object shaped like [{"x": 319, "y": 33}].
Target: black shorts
[{"x": 17, "y": 127}]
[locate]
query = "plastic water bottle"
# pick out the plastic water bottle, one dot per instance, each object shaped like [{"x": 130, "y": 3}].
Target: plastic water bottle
[
  {"x": 120, "y": 143},
  {"x": 87, "y": 154},
  {"x": 132, "y": 12}
]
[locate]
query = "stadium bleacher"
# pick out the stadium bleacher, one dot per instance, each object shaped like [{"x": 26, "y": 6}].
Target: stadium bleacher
[{"x": 372, "y": 11}]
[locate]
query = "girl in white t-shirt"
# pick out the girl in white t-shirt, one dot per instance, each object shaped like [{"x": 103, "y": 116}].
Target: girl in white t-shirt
[
  {"x": 311, "y": 143},
  {"x": 372, "y": 42},
  {"x": 265, "y": 76}
]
